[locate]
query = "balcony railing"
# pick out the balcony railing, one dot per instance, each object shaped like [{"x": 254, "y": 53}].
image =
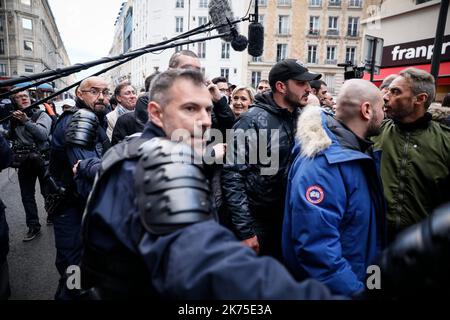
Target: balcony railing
[
  {"x": 353, "y": 34},
  {"x": 283, "y": 32},
  {"x": 314, "y": 33},
  {"x": 330, "y": 61},
  {"x": 333, "y": 32},
  {"x": 334, "y": 4}
]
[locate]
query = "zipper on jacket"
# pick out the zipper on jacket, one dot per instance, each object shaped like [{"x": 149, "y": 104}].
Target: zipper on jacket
[{"x": 402, "y": 184}]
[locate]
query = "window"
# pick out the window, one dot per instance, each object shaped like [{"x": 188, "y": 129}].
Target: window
[
  {"x": 2, "y": 69},
  {"x": 331, "y": 55},
  {"x": 350, "y": 55},
  {"x": 2, "y": 46},
  {"x": 355, "y": 3},
  {"x": 225, "y": 50},
  {"x": 329, "y": 80},
  {"x": 178, "y": 48},
  {"x": 26, "y": 2},
  {"x": 334, "y": 3},
  {"x": 178, "y": 24},
  {"x": 256, "y": 78},
  {"x": 261, "y": 19},
  {"x": 128, "y": 30},
  {"x": 1, "y": 23},
  {"x": 202, "y": 21},
  {"x": 352, "y": 30},
  {"x": 203, "y": 4},
  {"x": 27, "y": 24},
  {"x": 263, "y": 3},
  {"x": 284, "y": 2},
  {"x": 333, "y": 26},
  {"x": 28, "y": 45},
  {"x": 281, "y": 52},
  {"x": 225, "y": 72},
  {"x": 314, "y": 25},
  {"x": 257, "y": 59},
  {"x": 312, "y": 54},
  {"x": 332, "y": 22},
  {"x": 179, "y": 4},
  {"x": 201, "y": 50},
  {"x": 29, "y": 68},
  {"x": 315, "y": 3},
  {"x": 283, "y": 24}
]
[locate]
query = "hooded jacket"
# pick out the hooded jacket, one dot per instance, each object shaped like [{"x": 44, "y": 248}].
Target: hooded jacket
[
  {"x": 333, "y": 225},
  {"x": 440, "y": 114},
  {"x": 251, "y": 195}
]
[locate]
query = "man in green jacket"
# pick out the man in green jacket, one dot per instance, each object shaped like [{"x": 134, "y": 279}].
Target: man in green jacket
[{"x": 415, "y": 165}]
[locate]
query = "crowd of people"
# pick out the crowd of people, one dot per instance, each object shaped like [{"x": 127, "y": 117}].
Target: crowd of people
[{"x": 344, "y": 179}]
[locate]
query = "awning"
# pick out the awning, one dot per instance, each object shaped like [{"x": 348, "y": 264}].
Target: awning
[{"x": 443, "y": 78}]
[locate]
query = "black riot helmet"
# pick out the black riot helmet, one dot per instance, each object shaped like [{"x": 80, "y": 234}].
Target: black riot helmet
[{"x": 172, "y": 190}]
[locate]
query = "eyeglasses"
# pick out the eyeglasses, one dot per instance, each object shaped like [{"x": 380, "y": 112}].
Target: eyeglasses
[
  {"x": 262, "y": 88},
  {"x": 96, "y": 92},
  {"x": 21, "y": 96}
]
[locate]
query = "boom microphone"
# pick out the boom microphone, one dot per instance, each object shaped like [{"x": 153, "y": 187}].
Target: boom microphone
[
  {"x": 220, "y": 14},
  {"x": 255, "y": 35}
]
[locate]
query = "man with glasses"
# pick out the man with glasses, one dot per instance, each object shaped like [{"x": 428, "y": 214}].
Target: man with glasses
[{"x": 78, "y": 140}]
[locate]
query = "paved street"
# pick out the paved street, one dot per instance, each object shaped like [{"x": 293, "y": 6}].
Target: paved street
[{"x": 31, "y": 265}]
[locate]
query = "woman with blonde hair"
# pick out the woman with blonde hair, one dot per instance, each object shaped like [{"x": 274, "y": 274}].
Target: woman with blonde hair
[{"x": 241, "y": 99}]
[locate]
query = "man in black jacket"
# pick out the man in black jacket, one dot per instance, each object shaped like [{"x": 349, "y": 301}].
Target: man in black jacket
[
  {"x": 254, "y": 193},
  {"x": 133, "y": 122},
  {"x": 5, "y": 160}
]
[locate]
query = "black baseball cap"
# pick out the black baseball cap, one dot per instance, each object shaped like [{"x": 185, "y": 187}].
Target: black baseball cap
[{"x": 291, "y": 69}]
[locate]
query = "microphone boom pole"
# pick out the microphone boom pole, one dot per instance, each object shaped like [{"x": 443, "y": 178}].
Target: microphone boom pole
[
  {"x": 83, "y": 66},
  {"x": 149, "y": 50}
]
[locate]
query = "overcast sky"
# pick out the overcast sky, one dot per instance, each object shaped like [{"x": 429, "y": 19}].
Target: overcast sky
[{"x": 86, "y": 27}]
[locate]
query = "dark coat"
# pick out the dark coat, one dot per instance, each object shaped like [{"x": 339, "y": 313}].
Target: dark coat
[{"x": 251, "y": 197}]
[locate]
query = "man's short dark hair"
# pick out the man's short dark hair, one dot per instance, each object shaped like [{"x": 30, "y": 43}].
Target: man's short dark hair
[
  {"x": 317, "y": 84},
  {"x": 174, "y": 60},
  {"x": 216, "y": 80},
  {"x": 387, "y": 81},
  {"x": 120, "y": 87},
  {"x": 163, "y": 82},
  {"x": 149, "y": 80}
]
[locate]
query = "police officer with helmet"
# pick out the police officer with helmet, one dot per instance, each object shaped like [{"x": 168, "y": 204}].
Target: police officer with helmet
[{"x": 78, "y": 140}]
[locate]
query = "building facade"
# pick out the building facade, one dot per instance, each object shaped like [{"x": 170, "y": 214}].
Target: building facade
[
  {"x": 408, "y": 30},
  {"x": 321, "y": 33},
  {"x": 30, "y": 41},
  {"x": 143, "y": 22}
]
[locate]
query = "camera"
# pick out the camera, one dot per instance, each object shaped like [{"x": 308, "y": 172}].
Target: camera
[{"x": 352, "y": 71}]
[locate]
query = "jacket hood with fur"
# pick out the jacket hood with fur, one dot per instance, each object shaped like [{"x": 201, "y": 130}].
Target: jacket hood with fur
[
  {"x": 440, "y": 114},
  {"x": 310, "y": 132}
]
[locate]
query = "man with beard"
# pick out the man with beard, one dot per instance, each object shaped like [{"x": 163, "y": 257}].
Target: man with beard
[
  {"x": 77, "y": 136},
  {"x": 333, "y": 226},
  {"x": 415, "y": 163},
  {"x": 255, "y": 200}
]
